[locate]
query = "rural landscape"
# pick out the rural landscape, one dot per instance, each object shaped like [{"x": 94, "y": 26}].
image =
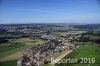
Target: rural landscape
[
  {"x": 49, "y": 32},
  {"x": 80, "y": 41}
]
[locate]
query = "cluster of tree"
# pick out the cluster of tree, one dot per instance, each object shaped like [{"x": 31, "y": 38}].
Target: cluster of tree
[
  {"x": 3, "y": 41},
  {"x": 97, "y": 41},
  {"x": 94, "y": 33},
  {"x": 2, "y": 31},
  {"x": 83, "y": 39}
]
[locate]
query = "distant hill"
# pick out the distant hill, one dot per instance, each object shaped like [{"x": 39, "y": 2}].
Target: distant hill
[{"x": 87, "y": 26}]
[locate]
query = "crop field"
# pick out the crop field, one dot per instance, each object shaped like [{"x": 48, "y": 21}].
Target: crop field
[
  {"x": 9, "y": 46},
  {"x": 9, "y": 63},
  {"x": 12, "y": 50},
  {"x": 88, "y": 52},
  {"x": 94, "y": 37},
  {"x": 12, "y": 53}
]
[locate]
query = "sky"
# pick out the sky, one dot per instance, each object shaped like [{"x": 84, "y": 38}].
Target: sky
[{"x": 49, "y": 11}]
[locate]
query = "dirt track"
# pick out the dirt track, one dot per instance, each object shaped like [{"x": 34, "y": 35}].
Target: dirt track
[{"x": 60, "y": 57}]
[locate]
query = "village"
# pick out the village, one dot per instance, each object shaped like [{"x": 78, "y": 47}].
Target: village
[{"x": 41, "y": 54}]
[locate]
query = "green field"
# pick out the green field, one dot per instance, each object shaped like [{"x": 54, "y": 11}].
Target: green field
[
  {"x": 13, "y": 47},
  {"x": 34, "y": 41},
  {"x": 9, "y": 63},
  {"x": 56, "y": 33},
  {"x": 94, "y": 37},
  {"x": 9, "y": 46},
  {"x": 88, "y": 52},
  {"x": 10, "y": 52}
]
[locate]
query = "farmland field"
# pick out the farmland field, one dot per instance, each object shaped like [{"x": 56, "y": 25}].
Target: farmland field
[
  {"x": 9, "y": 46},
  {"x": 10, "y": 52},
  {"x": 19, "y": 45},
  {"x": 88, "y": 52},
  {"x": 9, "y": 63},
  {"x": 94, "y": 37}
]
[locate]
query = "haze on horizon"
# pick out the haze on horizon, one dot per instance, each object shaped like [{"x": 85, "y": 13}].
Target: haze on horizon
[{"x": 49, "y": 11}]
